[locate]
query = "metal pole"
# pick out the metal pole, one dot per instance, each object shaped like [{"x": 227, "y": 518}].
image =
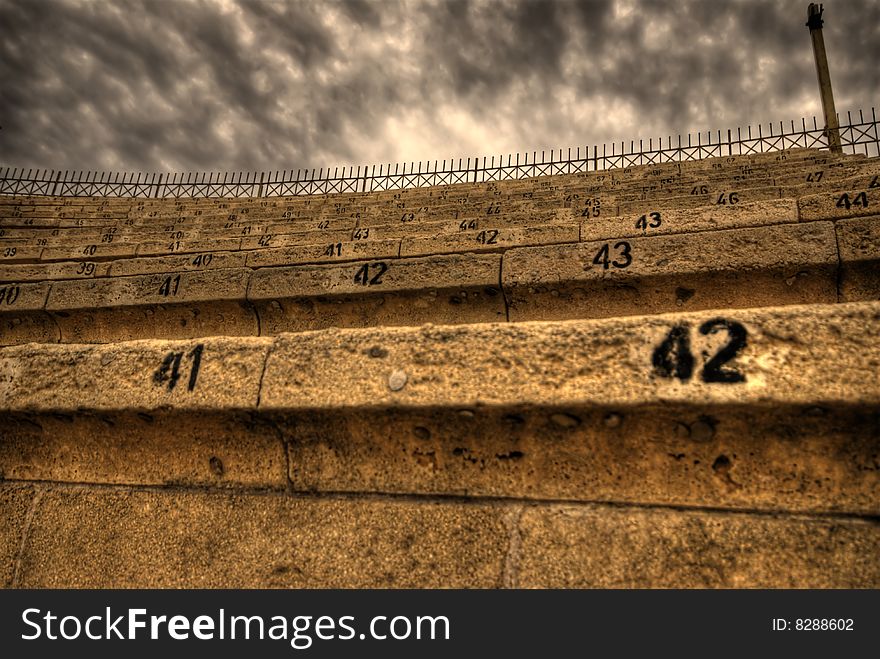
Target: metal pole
[{"x": 832, "y": 130}]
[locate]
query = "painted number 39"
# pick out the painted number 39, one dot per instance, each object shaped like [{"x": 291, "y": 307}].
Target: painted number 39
[{"x": 673, "y": 357}]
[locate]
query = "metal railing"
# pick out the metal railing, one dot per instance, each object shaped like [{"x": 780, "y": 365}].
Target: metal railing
[{"x": 856, "y": 137}]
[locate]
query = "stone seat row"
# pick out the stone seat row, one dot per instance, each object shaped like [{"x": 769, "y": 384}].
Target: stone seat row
[
  {"x": 808, "y": 262},
  {"x": 483, "y": 234},
  {"x": 746, "y": 409},
  {"x": 89, "y": 260},
  {"x": 697, "y": 194},
  {"x": 52, "y": 233},
  {"x": 179, "y": 205}
]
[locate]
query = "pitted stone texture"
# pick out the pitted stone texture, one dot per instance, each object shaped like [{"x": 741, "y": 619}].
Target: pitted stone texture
[
  {"x": 168, "y": 305},
  {"x": 135, "y": 376},
  {"x": 797, "y": 354},
  {"x": 143, "y": 448},
  {"x": 169, "y": 264},
  {"x": 490, "y": 239},
  {"x": 15, "y": 501},
  {"x": 108, "y": 539},
  {"x": 604, "y": 547},
  {"x": 706, "y": 218},
  {"x": 325, "y": 253},
  {"x": 93, "y": 251},
  {"x": 720, "y": 196},
  {"x": 859, "y": 242},
  {"x": 19, "y": 254},
  {"x": 451, "y": 289},
  {"x": 764, "y": 456},
  {"x": 188, "y": 246},
  {"x": 22, "y": 319},
  {"x": 834, "y": 206},
  {"x": 735, "y": 268},
  {"x": 43, "y": 271}
]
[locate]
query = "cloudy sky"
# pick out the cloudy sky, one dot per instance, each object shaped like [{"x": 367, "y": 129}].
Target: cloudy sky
[{"x": 173, "y": 85}]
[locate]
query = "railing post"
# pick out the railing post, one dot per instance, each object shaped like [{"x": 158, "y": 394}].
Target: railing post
[{"x": 832, "y": 130}]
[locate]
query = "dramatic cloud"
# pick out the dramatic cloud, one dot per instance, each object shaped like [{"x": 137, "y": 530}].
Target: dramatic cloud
[{"x": 206, "y": 86}]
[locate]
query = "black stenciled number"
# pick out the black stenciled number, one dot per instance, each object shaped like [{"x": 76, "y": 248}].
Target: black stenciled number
[
  {"x": 170, "y": 286},
  {"x": 860, "y": 199},
  {"x": 465, "y": 225},
  {"x": 333, "y": 250},
  {"x": 673, "y": 357},
  {"x": 602, "y": 257},
  {"x": 408, "y": 217},
  {"x": 592, "y": 207},
  {"x": 700, "y": 189},
  {"x": 814, "y": 177},
  {"x": 169, "y": 370},
  {"x": 203, "y": 260},
  {"x": 712, "y": 371},
  {"x": 488, "y": 237},
  {"x": 731, "y": 198},
  {"x": 643, "y": 223},
  {"x": 265, "y": 239},
  {"x": 9, "y": 251},
  {"x": 363, "y": 274},
  {"x": 324, "y": 225},
  {"x": 9, "y": 294},
  {"x": 85, "y": 268},
  {"x": 360, "y": 234},
  {"x": 494, "y": 209}
]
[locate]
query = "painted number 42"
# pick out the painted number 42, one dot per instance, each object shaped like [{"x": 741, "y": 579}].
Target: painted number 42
[{"x": 673, "y": 357}]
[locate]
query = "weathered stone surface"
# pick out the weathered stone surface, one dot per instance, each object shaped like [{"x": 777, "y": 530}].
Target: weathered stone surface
[
  {"x": 735, "y": 268},
  {"x": 15, "y": 501},
  {"x": 720, "y": 196},
  {"x": 859, "y": 243},
  {"x": 136, "y": 375},
  {"x": 705, "y": 218},
  {"x": 611, "y": 547},
  {"x": 43, "y": 271},
  {"x": 840, "y": 204},
  {"x": 123, "y": 446},
  {"x": 16, "y": 253},
  {"x": 91, "y": 251},
  {"x": 22, "y": 318},
  {"x": 325, "y": 253},
  {"x": 798, "y": 354},
  {"x": 101, "y": 538},
  {"x": 167, "y": 305},
  {"x": 490, "y": 239},
  {"x": 760, "y": 456},
  {"x": 461, "y": 288},
  {"x": 188, "y": 246},
  {"x": 168, "y": 264}
]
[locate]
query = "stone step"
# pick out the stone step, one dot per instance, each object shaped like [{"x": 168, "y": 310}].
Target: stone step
[{"x": 753, "y": 409}]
